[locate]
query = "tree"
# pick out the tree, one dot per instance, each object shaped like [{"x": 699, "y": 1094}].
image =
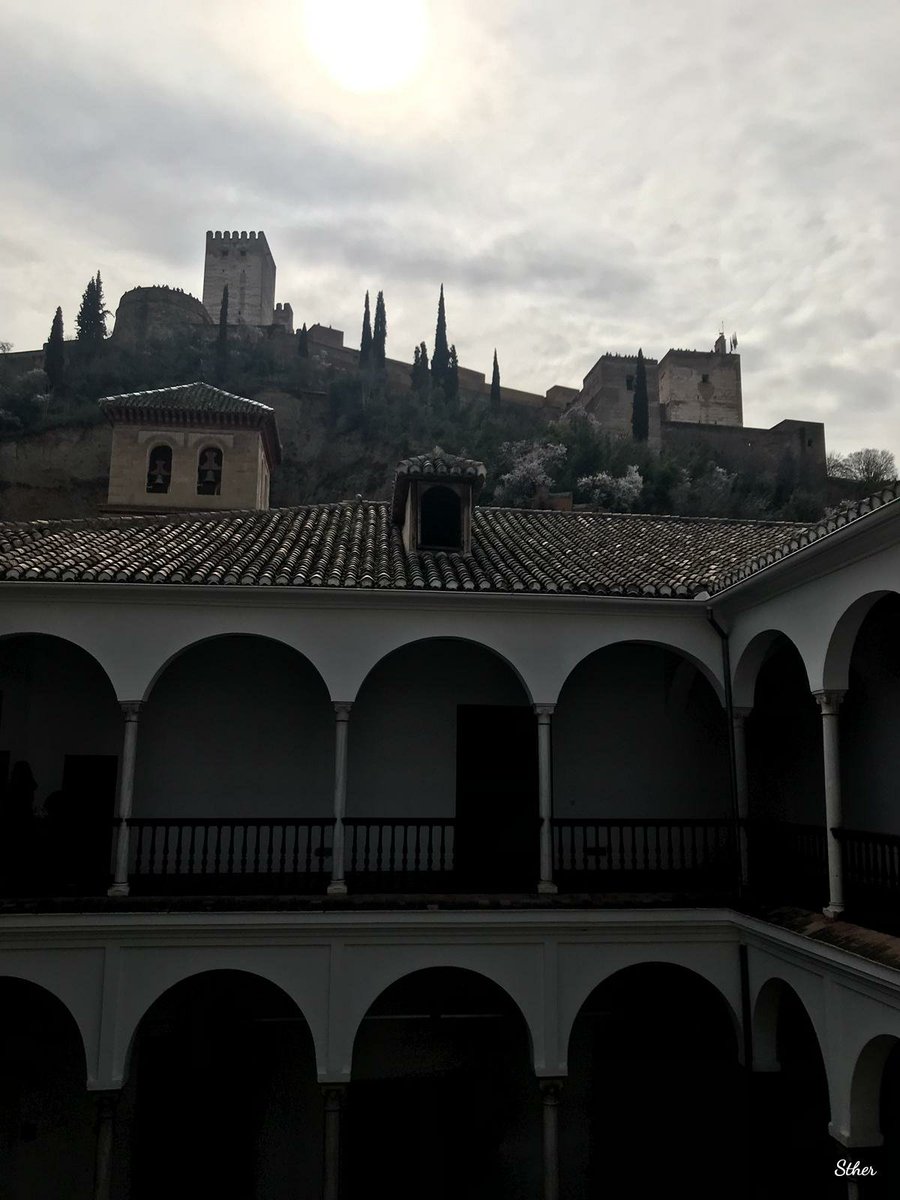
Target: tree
[
  {"x": 420, "y": 376},
  {"x": 440, "y": 359},
  {"x": 91, "y": 319},
  {"x": 611, "y": 493},
  {"x": 532, "y": 466},
  {"x": 365, "y": 344},
  {"x": 303, "y": 342},
  {"x": 871, "y": 469},
  {"x": 451, "y": 383},
  {"x": 222, "y": 339},
  {"x": 55, "y": 352},
  {"x": 495, "y": 382},
  {"x": 640, "y": 405},
  {"x": 379, "y": 335}
]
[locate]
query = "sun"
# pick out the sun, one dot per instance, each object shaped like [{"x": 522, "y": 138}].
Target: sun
[{"x": 367, "y": 46}]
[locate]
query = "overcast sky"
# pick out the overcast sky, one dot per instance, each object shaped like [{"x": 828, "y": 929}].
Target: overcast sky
[{"x": 582, "y": 176}]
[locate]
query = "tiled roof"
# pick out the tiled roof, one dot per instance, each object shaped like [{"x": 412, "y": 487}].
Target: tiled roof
[
  {"x": 356, "y": 545},
  {"x": 187, "y": 402},
  {"x": 437, "y": 465},
  {"x": 807, "y": 534}
]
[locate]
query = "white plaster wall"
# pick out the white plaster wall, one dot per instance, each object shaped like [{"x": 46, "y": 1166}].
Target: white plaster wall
[
  {"x": 403, "y": 726},
  {"x": 236, "y": 727},
  {"x": 638, "y": 733}
]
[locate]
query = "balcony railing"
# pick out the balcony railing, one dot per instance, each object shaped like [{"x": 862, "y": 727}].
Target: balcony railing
[
  {"x": 788, "y": 862},
  {"x": 612, "y": 854},
  {"x": 261, "y": 854},
  {"x": 379, "y": 847},
  {"x": 871, "y": 867}
]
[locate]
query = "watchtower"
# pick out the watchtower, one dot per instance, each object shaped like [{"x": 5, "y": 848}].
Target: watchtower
[{"x": 243, "y": 262}]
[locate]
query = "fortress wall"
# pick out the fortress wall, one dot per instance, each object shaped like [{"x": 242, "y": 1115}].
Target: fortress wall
[
  {"x": 805, "y": 440},
  {"x": 696, "y": 385},
  {"x": 245, "y": 264}
]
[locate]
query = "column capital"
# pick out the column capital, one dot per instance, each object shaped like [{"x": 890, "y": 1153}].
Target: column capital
[
  {"x": 544, "y": 711},
  {"x": 131, "y": 709},
  {"x": 342, "y": 709},
  {"x": 829, "y": 702},
  {"x": 551, "y": 1089},
  {"x": 334, "y": 1094}
]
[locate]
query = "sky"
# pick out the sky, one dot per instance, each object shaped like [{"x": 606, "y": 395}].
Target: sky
[{"x": 582, "y": 176}]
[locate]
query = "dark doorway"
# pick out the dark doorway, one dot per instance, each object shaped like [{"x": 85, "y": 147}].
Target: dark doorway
[
  {"x": 497, "y": 833},
  {"x": 80, "y": 822}
]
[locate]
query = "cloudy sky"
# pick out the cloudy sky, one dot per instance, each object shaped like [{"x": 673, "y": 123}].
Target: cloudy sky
[{"x": 582, "y": 176}]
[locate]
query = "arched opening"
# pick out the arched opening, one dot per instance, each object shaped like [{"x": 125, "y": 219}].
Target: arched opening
[
  {"x": 790, "y": 1106},
  {"x": 443, "y": 1101},
  {"x": 159, "y": 469},
  {"x": 440, "y": 518},
  {"x": 870, "y": 764},
  {"x": 642, "y": 796},
  {"x": 654, "y": 1089},
  {"x": 222, "y": 1098},
  {"x": 235, "y": 769},
  {"x": 60, "y": 739},
  {"x": 46, "y": 1113},
  {"x": 442, "y": 789},
  {"x": 209, "y": 471},
  {"x": 786, "y": 797}
]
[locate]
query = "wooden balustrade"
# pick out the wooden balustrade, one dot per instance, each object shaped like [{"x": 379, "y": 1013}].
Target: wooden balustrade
[
  {"x": 612, "y": 853},
  {"x": 871, "y": 866},
  {"x": 393, "y": 854}
]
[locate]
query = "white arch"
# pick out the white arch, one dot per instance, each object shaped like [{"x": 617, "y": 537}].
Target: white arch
[
  {"x": 11, "y": 636},
  {"x": 836, "y": 672},
  {"x": 745, "y": 671},
  {"x": 425, "y": 641},
  {"x": 712, "y": 677},
  {"x": 49, "y": 984},
  {"x": 865, "y": 1091},
  {"x": 766, "y": 1013}
]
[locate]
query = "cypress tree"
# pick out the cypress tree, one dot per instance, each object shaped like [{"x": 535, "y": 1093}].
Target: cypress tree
[
  {"x": 91, "y": 319},
  {"x": 379, "y": 335},
  {"x": 640, "y": 405},
  {"x": 55, "y": 352},
  {"x": 440, "y": 359},
  {"x": 365, "y": 345},
  {"x": 303, "y": 342},
  {"x": 495, "y": 382},
  {"x": 416, "y": 367},
  {"x": 420, "y": 375},
  {"x": 451, "y": 384},
  {"x": 222, "y": 339}
]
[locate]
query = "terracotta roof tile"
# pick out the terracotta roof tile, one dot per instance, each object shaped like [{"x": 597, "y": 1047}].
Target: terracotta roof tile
[{"x": 355, "y": 545}]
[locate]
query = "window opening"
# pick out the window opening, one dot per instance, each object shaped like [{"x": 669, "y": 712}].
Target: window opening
[
  {"x": 159, "y": 469},
  {"x": 440, "y": 519},
  {"x": 209, "y": 472}
]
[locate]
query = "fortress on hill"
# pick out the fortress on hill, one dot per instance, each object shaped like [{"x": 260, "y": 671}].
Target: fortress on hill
[{"x": 694, "y": 395}]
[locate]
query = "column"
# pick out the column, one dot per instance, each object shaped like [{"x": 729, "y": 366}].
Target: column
[
  {"x": 106, "y": 1112},
  {"x": 545, "y": 796},
  {"x": 331, "y": 1175},
  {"x": 130, "y": 709},
  {"x": 829, "y": 702},
  {"x": 338, "y": 886},
  {"x": 742, "y": 787},
  {"x": 550, "y": 1089}
]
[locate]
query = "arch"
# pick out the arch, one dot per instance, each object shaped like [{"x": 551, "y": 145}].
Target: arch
[
  {"x": 703, "y": 668},
  {"x": 56, "y": 637},
  {"x": 411, "y": 643},
  {"x": 159, "y": 468},
  {"x": 746, "y": 671},
  {"x": 767, "y": 1010},
  {"x": 59, "y": 1005},
  {"x": 836, "y": 672},
  {"x": 210, "y": 470},
  {"x": 187, "y": 647},
  {"x": 865, "y": 1091}
]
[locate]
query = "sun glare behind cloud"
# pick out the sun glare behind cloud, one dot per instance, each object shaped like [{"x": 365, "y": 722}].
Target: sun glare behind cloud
[{"x": 367, "y": 47}]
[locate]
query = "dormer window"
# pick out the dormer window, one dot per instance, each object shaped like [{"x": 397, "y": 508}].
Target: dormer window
[
  {"x": 440, "y": 518},
  {"x": 159, "y": 469},
  {"x": 209, "y": 472}
]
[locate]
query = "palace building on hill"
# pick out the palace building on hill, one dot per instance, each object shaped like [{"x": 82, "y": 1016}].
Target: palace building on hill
[{"x": 442, "y": 850}]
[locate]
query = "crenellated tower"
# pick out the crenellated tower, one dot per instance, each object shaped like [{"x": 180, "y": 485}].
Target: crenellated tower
[{"x": 243, "y": 262}]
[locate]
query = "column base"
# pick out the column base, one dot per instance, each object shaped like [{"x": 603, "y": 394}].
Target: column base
[
  {"x": 547, "y": 887},
  {"x": 831, "y": 911},
  {"x": 118, "y": 889},
  {"x": 337, "y": 887}
]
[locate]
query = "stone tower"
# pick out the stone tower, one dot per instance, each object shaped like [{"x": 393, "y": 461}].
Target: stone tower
[{"x": 244, "y": 262}]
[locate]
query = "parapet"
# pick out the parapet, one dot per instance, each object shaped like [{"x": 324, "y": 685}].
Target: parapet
[{"x": 254, "y": 240}]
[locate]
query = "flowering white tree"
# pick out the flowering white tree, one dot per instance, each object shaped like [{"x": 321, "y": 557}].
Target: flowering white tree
[
  {"x": 612, "y": 493},
  {"x": 531, "y": 468}
]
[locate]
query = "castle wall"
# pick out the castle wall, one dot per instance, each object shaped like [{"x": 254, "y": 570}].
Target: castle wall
[
  {"x": 608, "y": 395},
  {"x": 804, "y": 440},
  {"x": 241, "y": 458},
  {"x": 155, "y": 313},
  {"x": 696, "y": 385},
  {"x": 245, "y": 264}
]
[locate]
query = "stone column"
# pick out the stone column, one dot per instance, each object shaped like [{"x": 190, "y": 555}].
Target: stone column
[
  {"x": 106, "y": 1113},
  {"x": 131, "y": 710},
  {"x": 829, "y": 702},
  {"x": 742, "y": 786},
  {"x": 545, "y": 796},
  {"x": 331, "y": 1174},
  {"x": 550, "y": 1089},
  {"x": 338, "y": 886}
]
